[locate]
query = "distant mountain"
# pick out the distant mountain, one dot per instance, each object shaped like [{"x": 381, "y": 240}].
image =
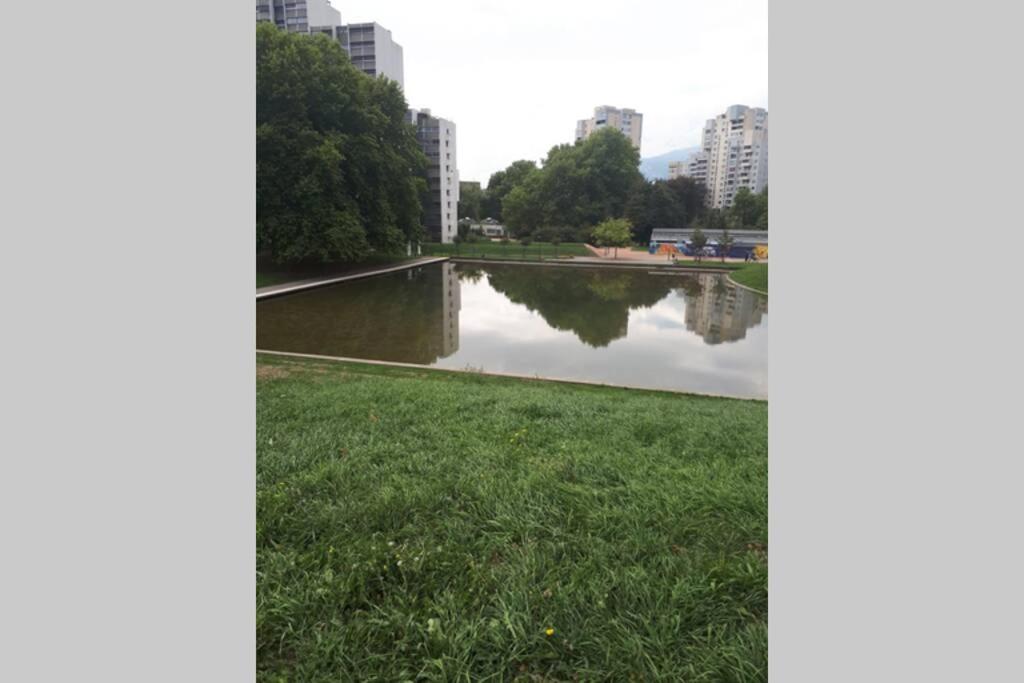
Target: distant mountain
[{"x": 654, "y": 168}]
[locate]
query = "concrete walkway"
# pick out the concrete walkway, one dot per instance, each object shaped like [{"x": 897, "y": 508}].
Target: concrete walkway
[{"x": 299, "y": 285}]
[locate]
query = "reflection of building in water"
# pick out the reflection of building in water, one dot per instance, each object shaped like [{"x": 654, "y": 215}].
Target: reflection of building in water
[
  {"x": 451, "y": 298},
  {"x": 722, "y": 312}
]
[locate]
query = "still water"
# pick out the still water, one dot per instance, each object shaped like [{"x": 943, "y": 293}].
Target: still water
[{"x": 692, "y": 332}]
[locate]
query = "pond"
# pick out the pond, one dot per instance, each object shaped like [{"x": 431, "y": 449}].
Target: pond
[{"x": 692, "y": 332}]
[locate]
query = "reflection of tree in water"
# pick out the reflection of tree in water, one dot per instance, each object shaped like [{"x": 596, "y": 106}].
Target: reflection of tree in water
[
  {"x": 470, "y": 274},
  {"x": 401, "y": 317},
  {"x": 592, "y": 303},
  {"x": 721, "y": 312}
]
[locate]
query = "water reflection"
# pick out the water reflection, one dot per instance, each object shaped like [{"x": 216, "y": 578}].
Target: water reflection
[
  {"x": 592, "y": 302},
  {"x": 411, "y": 316},
  {"x": 722, "y": 313},
  {"x": 693, "y": 332}
]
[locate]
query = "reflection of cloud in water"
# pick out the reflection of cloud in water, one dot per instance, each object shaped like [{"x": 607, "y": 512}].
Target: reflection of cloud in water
[
  {"x": 603, "y": 325},
  {"x": 658, "y": 351}
]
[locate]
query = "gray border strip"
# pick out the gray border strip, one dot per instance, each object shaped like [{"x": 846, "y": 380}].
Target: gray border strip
[
  {"x": 310, "y": 284},
  {"x": 533, "y": 378}
]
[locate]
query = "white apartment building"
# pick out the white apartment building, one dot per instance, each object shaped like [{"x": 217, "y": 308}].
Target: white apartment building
[
  {"x": 734, "y": 154},
  {"x": 300, "y": 16},
  {"x": 373, "y": 51},
  {"x": 677, "y": 169},
  {"x": 628, "y": 121},
  {"x": 369, "y": 46},
  {"x": 437, "y": 140}
]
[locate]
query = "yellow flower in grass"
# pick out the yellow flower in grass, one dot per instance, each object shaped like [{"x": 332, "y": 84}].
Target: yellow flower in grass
[{"x": 550, "y": 631}]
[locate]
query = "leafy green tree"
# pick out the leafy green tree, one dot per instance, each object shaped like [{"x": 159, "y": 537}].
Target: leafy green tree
[
  {"x": 698, "y": 240},
  {"x": 338, "y": 170},
  {"x": 762, "y": 221},
  {"x": 471, "y": 199},
  {"x": 725, "y": 244},
  {"x": 762, "y": 209},
  {"x": 578, "y": 185},
  {"x": 663, "y": 204},
  {"x": 615, "y": 233},
  {"x": 521, "y": 208},
  {"x": 744, "y": 208},
  {"x": 501, "y": 184}
]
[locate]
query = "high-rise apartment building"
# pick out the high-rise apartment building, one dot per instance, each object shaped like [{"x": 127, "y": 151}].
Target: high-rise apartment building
[
  {"x": 370, "y": 46},
  {"x": 437, "y": 139},
  {"x": 734, "y": 154},
  {"x": 300, "y": 16},
  {"x": 629, "y": 122},
  {"x": 373, "y": 51}
]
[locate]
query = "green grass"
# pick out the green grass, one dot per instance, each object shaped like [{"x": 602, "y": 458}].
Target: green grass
[
  {"x": 271, "y": 274},
  {"x": 424, "y": 525},
  {"x": 754, "y": 276},
  {"x": 512, "y": 251}
]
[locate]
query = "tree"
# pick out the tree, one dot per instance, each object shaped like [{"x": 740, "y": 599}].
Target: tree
[
  {"x": 615, "y": 232},
  {"x": 744, "y": 208},
  {"x": 501, "y": 184},
  {"x": 471, "y": 199},
  {"x": 664, "y": 204},
  {"x": 762, "y": 209},
  {"x": 521, "y": 207},
  {"x": 338, "y": 169},
  {"x": 698, "y": 240},
  {"x": 578, "y": 185},
  {"x": 725, "y": 244},
  {"x": 525, "y": 242}
]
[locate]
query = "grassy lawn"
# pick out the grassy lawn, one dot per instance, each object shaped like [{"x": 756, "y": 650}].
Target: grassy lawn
[
  {"x": 754, "y": 276},
  {"x": 424, "y": 525},
  {"x": 270, "y": 274},
  {"x": 511, "y": 251}
]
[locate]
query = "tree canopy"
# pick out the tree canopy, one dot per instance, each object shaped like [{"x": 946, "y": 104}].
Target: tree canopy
[
  {"x": 614, "y": 232},
  {"x": 339, "y": 173},
  {"x": 672, "y": 203},
  {"x": 501, "y": 183},
  {"x": 578, "y": 185},
  {"x": 470, "y": 200}
]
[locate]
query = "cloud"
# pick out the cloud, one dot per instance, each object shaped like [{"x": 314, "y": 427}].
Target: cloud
[{"x": 515, "y": 77}]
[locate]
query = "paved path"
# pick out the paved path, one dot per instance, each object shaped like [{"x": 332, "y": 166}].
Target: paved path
[{"x": 299, "y": 285}]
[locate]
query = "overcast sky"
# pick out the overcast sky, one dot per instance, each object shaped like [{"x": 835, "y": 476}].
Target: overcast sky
[{"x": 515, "y": 75}]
